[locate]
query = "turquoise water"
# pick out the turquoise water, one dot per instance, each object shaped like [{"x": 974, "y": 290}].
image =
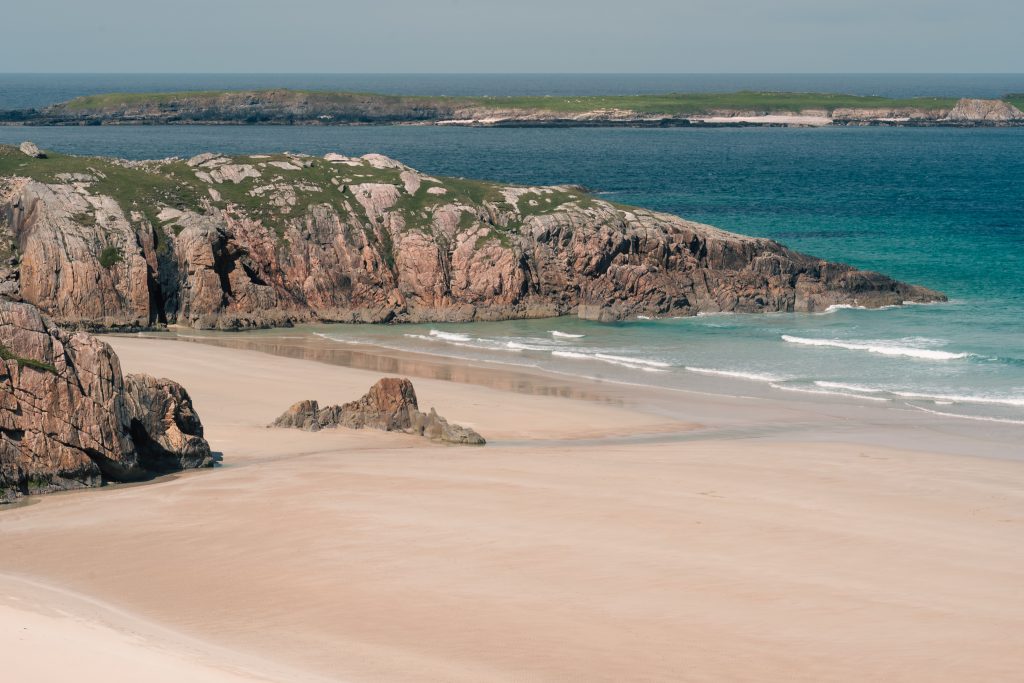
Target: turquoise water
[{"x": 939, "y": 207}]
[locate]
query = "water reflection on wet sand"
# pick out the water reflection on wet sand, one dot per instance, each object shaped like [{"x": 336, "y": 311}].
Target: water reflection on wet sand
[{"x": 388, "y": 361}]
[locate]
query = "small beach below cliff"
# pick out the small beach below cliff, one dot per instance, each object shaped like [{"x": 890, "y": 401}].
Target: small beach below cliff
[{"x": 606, "y": 532}]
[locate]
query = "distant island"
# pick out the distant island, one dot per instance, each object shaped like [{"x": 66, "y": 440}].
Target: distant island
[{"x": 312, "y": 107}]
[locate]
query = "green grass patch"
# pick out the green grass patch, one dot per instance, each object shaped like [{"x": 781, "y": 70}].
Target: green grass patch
[
  {"x": 7, "y": 354},
  {"x": 501, "y": 236},
  {"x": 125, "y": 100},
  {"x": 467, "y": 220},
  {"x": 682, "y": 104},
  {"x": 110, "y": 256},
  {"x": 545, "y": 201},
  {"x": 142, "y": 190},
  {"x": 87, "y": 218},
  {"x": 351, "y": 106}
]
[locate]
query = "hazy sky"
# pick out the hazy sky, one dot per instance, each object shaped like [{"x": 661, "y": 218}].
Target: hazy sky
[{"x": 514, "y": 36}]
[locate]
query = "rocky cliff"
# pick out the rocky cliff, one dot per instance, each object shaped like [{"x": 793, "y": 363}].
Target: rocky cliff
[
  {"x": 237, "y": 242},
  {"x": 69, "y": 419}
]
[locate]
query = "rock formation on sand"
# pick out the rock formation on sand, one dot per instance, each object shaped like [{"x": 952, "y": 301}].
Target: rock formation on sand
[
  {"x": 390, "y": 405},
  {"x": 263, "y": 240},
  {"x": 69, "y": 419},
  {"x": 990, "y": 111}
]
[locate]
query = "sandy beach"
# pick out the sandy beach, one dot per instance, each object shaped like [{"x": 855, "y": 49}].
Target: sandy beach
[{"x": 598, "y": 536}]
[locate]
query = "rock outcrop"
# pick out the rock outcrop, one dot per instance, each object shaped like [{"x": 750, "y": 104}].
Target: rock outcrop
[
  {"x": 30, "y": 149},
  {"x": 165, "y": 428},
  {"x": 387, "y": 406},
  {"x": 104, "y": 243},
  {"x": 390, "y": 405},
  {"x": 309, "y": 416},
  {"x": 984, "y": 111},
  {"x": 69, "y": 419}
]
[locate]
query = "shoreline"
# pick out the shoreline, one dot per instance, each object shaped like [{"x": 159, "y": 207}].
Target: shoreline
[
  {"x": 322, "y": 107},
  {"x": 761, "y": 403},
  {"x": 765, "y": 121},
  {"x": 568, "y": 547}
]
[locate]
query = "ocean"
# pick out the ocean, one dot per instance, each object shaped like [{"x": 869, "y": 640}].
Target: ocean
[{"x": 938, "y": 207}]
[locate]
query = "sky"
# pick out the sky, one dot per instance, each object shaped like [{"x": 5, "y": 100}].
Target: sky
[{"x": 514, "y": 36}]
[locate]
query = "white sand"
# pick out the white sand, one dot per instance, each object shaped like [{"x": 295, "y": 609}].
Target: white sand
[
  {"x": 784, "y": 119},
  {"x": 369, "y": 556}
]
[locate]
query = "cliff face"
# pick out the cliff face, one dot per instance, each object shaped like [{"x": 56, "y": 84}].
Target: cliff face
[
  {"x": 69, "y": 419},
  {"x": 219, "y": 242}
]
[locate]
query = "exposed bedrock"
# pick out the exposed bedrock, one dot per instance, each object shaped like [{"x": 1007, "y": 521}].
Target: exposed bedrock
[
  {"x": 69, "y": 419},
  {"x": 984, "y": 111},
  {"x": 265, "y": 240},
  {"x": 390, "y": 405}
]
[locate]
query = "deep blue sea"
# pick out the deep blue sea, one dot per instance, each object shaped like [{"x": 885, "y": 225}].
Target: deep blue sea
[{"x": 938, "y": 207}]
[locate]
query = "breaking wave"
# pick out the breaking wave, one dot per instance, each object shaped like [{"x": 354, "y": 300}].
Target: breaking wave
[{"x": 883, "y": 347}]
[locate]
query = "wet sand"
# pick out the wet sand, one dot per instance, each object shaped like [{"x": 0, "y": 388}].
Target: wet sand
[{"x": 604, "y": 533}]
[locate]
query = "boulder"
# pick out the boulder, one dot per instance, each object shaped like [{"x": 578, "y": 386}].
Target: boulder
[
  {"x": 436, "y": 428},
  {"x": 308, "y": 415},
  {"x": 301, "y": 415},
  {"x": 386, "y": 406},
  {"x": 70, "y": 419},
  {"x": 390, "y": 405},
  {"x": 164, "y": 425},
  {"x": 32, "y": 150}
]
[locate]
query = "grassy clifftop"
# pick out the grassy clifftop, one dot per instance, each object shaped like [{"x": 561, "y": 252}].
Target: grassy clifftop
[
  {"x": 319, "y": 107},
  {"x": 667, "y": 104},
  {"x": 300, "y": 182}
]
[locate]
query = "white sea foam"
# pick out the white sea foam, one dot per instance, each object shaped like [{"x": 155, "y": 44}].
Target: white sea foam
[
  {"x": 324, "y": 335},
  {"x": 883, "y": 347},
  {"x": 566, "y": 335},
  {"x": 802, "y": 390},
  {"x": 625, "y": 359},
  {"x": 964, "y": 398},
  {"x": 622, "y": 361},
  {"x": 840, "y": 307},
  {"x": 450, "y": 336},
  {"x": 520, "y": 346},
  {"x": 754, "y": 376},
  {"x": 978, "y": 418},
  {"x": 859, "y": 388},
  {"x": 452, "y": 342},
  {"x": 570, "y": 354}
]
